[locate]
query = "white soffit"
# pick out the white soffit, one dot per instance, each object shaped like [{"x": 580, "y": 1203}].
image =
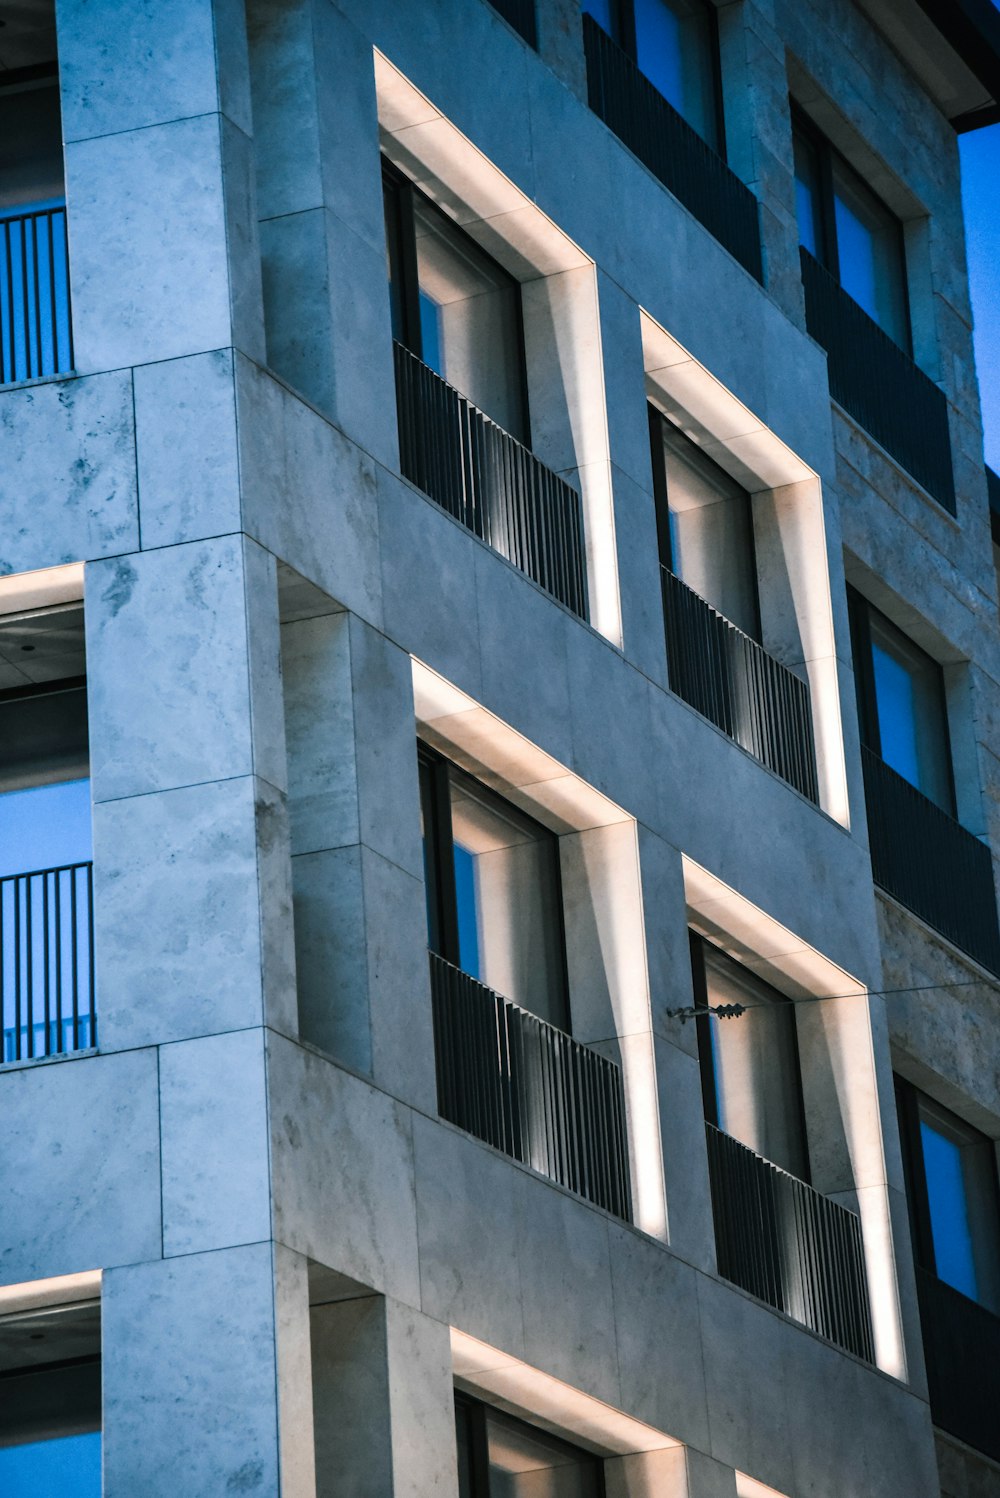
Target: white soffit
[
  {"x": 548, "y": 1402},
  {"x": 749, "y": 1487},
  {"x": 455, "y": 174},
  {"x": 65, "y": 1290},
  {"x": 713, "y": 417},
  {"x": 503, "y": 758},
  {"x": 25, "y": 591},
  {"x": 759, "y": 942}
]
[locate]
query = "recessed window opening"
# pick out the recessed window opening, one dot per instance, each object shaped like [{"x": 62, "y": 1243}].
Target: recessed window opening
[
  {"x": 849, "y": 230},
  {"x": 751, "y": 1082},
  {"x": 675, "y": 44},
  {"x": 50, "y": 1403},
  {"x": 453, "y": 306},
  {"x": 500, "y": 1456},
  {"x": 704, "y": 525},
  {"x": 494, "y": 897},
  {"x": 953, "y": 1195}
]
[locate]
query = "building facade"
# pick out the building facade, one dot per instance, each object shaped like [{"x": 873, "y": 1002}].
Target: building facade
[{"x": 499, "y": 781}]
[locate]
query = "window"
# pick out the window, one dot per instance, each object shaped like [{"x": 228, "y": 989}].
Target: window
[
  {"x": 704, "y": 525},
  {"x": 50, "y": 1403},
  {"x": 500, "y": 1456},
  {"x": 453, "y": 306},
  {"x": 750, "y": 1077},
  {"x": 31, "y": 160},
  {"x": 952, "y": 1192},
  {"x": 849, "y": 230},
  {"x": 901, "y": 703},
  {"x": 494, "y": 901},
  {"x": 675, "y": 44}
]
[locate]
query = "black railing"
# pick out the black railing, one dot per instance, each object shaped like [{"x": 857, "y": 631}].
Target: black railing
[
  {"x": 733, "y": 682},
  {"x": 879, "y": 385},
  {"x": 521, "y": 15},
  {"x": 782, "y": 1241},
  {"x": 929, "y": 863},
  {"x": 486, "y": 479},
  {"x": 47, "y": 962},
  {"x": 36, "y": 336},
  {"x": 962, "y": 1353},
  {"x": 623, "y": 97},
  {"x": 529, "y": 1089}
]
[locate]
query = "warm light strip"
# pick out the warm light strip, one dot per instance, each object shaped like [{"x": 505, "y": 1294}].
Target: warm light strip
[
  {"x": 35, "y": 590},
  {"x": 63, "y": 1290}
]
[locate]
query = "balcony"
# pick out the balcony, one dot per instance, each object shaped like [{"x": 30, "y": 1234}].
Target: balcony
[
  {"x": 792, "y": 1248},
  {"x": 731, "y": 680},
  {"x": 931, "y": 864},
  {"x": 529, "y": 1089},
  {"x": 879, "y": 385},
  {"x": 962, "y": 1352},
  {"x": 47, "y": 962},
  {"x": 36, "y": 337},
  {"x": 664, "y": 142},
  {"x": 485, "y": 478}
]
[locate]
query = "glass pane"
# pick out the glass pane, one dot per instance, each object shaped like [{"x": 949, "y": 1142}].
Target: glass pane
[
  {"x": 526, "y": 1463},
  {"x": 711, "y": 531},
  {"x": 31, "y": 163},
  {"x": 808, "y": 198},
  {"x": 605, "y": 13},
  {"x": 469, "y": 319},
  {"x": 507, "y": 889},
  {"x": 428, "y": 833},
  {"x": 870, "y": 252},
  {"x": 909, "y": 699},
  {"x": 464, "y": 1441},
  {"x": 45, "y": 827},
  {"x": 393, "y": 254},
  {"x": 65, "y": 1468},
  {"x": 674, "y": 46},
  {"x": 757, "y": 1089},
  {"x": 949, "y": 1210}
]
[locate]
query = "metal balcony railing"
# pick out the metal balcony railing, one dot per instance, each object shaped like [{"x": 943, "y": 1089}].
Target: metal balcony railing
[
  {"x": 962, "y": 1351},
  {"x": 484, "y": 477},
  {"x": 623, "y": 97},
  {"x": 930, "y": 863},
  {"x": 879, "y": 385},
  {"x": 530, "y": 1090},
  {"x": 789, "y": 1246},
  {"x": 47, "y": 962},
  {"x": 732, "y": 681},
  {"x": 521, "y": 15},
  {"x": 36, "y": 336}
]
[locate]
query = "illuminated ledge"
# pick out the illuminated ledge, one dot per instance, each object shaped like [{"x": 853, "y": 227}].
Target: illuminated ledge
[{"x": 65, "y": 1290}]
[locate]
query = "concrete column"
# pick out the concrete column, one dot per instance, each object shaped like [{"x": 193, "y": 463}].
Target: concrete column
[
  {"x": 360, "y": 921},
  {"x": 319, "y": 192},
  {"x": 383, "y": 1402},
  {"x": 213, "y": 1396},
  {"x": 159, "y": 180},
  {"x": 188, "y": 777}
]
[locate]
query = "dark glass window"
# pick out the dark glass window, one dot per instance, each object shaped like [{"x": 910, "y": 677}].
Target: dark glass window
[
  {"x": 500, "y": 1456},
  {"x": 750, "y": 1063},
  {"x": 453, "y": 306},
  {"x": 848, "y": 228},
  {"x": 952, "y": 1187},
  {"x": 675, "y": 44},
  {"x": 31, "y": 158},
  {"x": 901, "y": 702},
  {"x": 494, "y": 900},
  {"x": 705, "y": 525},
  {"x": 50, "y": 1404}
]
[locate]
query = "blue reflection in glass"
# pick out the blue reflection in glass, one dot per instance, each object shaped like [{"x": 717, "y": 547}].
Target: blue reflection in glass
[
  {"x": 856, "y": 252},
  {"x": 659, "y": 50},
  {"x": 950, "y": 1230},
  {"x": 430, "y": 334},
  {"x": 69, "y": 1467},
  {"x": 604, "y": 13},
  {"x": 897, "y": 715},
  {"x": 466, "y": 902},
  {"x": 45, "y": 827}
]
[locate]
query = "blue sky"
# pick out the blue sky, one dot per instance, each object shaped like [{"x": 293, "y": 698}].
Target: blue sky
[{"x": 980, "y": 153}]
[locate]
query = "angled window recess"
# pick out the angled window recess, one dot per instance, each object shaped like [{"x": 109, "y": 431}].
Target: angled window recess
[
  {"x": 46, "y": 916},
  {"x": 500, "y": 1456},
  {"x": 857, "y": 307},
  {"x": 653, "y": 78},
  {"x": 954, "y": 1201},
  {"x": 775, "y": 1236},
  {"x": 35, "y": 328},
  {"x": 520, "y": 14},
  {"x": 920, "y": 853},
  {"x": 508, "y": 1070}
]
